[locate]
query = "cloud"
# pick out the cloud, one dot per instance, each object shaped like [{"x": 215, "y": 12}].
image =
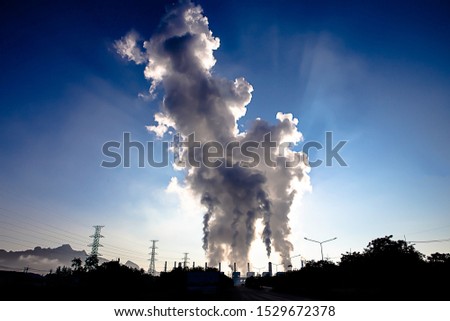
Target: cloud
[
  {"x": 164, "y": 123},
  {"x": 38, "y": 262},
  {"x": 127, "y": 47}
]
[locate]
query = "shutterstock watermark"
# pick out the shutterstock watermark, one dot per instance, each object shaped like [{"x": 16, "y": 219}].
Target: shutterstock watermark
[{"x": 193, "y": 153}]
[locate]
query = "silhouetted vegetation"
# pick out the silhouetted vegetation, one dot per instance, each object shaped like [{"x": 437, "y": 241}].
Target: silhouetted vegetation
[
  {"x": 385, "y": 270},
  {"x": 113, "y": 281}
]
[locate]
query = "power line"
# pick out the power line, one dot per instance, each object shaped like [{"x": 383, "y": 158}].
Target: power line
[
  {"x": 37, "y": 237},
  {"x": 431, "y": 241},
  {"x": 121, "y": 249},
  {"x": 21, "y": 269},
  {"x": 23, "y": 201},
  {"x": 38, "y": 222},
  {"x": 59, "y": 215},
  {"x": 77, "y": 237},
  {"x": 111, "y": 253},
  {"x": 53, "y": 234},
  {"x": 63, "y": 239},
  {"x": 116, "y": 254},
  {"x": 35, "y": 232},
  {"x": 123, "y": 252},
  {"x": 430, "y": 229},
  {"x": 12, "y": 242}
]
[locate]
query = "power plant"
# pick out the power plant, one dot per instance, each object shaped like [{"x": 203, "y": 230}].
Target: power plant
[{"x": 236, "y": 275}]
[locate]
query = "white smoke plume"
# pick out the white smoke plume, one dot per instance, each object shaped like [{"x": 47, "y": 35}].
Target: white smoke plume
[{"x": 179, "y": 58}]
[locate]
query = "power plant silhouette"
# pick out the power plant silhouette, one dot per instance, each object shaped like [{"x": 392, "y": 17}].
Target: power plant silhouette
[{"x": 237, "y": 276}]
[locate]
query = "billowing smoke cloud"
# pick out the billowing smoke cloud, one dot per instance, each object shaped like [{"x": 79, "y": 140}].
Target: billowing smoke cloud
[{"x": 179, "y": 58}]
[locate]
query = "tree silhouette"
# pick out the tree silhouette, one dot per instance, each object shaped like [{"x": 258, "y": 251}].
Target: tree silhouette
[
  {"x": 386, "y": 249},
  {"x": 77, "y": 264},
  {"x": 393, "y": 262},
  {"x": 322, "y": 264},
  {"x": 439, "y": 258},
  {"x": 91, "y": 262},
  {"x": 352, "y": 259}
]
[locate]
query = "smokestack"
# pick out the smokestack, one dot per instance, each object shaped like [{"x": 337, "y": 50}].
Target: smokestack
[
  {"x": 174, "y": 265},
  {"x": 165, "y": 266},
  {"x": 179, "y": 265},
  {"x": 248, "y": 267},
  {"x": 270, "y": 268},
  {"x": 206, "y": 265},
  {"x": 234, "y": 269},
  {"x": 220, "y": 267}
]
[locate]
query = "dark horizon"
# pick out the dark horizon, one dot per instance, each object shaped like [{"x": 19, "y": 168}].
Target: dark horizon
[{"x": 385, "y": 270}]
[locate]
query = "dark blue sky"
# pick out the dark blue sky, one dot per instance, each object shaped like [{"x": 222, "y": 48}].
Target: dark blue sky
[{"x": 375, "y": 73}]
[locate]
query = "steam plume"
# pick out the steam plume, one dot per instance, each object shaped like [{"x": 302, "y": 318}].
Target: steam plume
[{"x": 179, "y": 58}]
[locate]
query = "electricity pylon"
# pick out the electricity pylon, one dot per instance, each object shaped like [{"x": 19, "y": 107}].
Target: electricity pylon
[
  {"x": 152, "y": 269},
  {"x": 96, "y": 242}
]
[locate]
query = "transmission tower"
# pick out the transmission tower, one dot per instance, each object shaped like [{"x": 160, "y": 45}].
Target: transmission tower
[
  {"x": 152, "y": 269},
  {"x": 96, "y": 242},
  {"x": 185, "y": 260}
]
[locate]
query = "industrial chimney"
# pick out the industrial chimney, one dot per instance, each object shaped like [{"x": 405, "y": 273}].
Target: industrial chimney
[
  {"x": 220, "y": 267},
  {"x": 234, "y": 269},
  {"x": 270, "y": 268},
  {"x": 248, "y": 267}
]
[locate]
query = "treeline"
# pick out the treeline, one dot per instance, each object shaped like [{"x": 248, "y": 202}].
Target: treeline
[
  {"x": 114, "y": 281},
  {"x": 385, "y": 270}
]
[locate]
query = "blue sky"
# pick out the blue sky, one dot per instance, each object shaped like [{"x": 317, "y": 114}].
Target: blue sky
[{"x": 376, "y": 75}]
